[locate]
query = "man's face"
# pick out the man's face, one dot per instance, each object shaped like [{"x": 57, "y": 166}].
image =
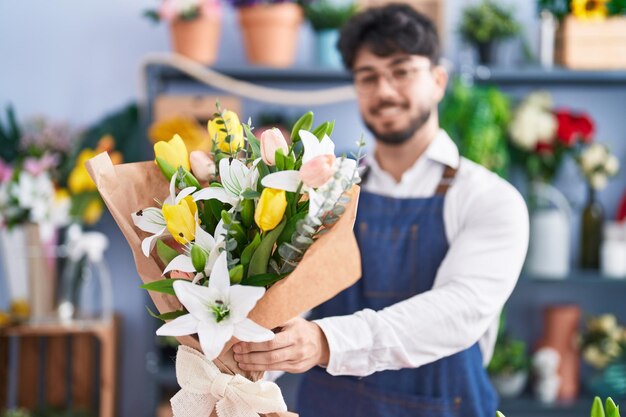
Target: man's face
[{"x": 396, "y": 94}]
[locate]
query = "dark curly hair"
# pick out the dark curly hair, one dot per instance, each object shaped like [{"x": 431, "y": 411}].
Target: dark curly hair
[{"x": 389, "y": 29}]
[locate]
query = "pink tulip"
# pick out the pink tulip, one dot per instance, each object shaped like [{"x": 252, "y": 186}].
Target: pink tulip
[
  {"x": 272, "y": 140},
  {"x": 318, "y": 170},
  {"x": 202, "y": 166}
]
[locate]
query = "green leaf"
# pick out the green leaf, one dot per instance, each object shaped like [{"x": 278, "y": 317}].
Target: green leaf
[
  {"x": 250, "y": 194},
  {"x": 596, "y": 408},
  {"x": 247, "y": 209},
  {"x": 279, "y": 157},
  {"x": 258, "y": 263},
  {"x": 216, "y": 207},
  {"x": 187, "y": 178},
  {"x": 611, "y": 409},
  {"x": 290, "y": 162},
  {"x": 165, "y": 252},
  {"x": 290, "y": 228},
  {"x": 305, "y": 122},
  {"x": 247, "y": 253},
  {"x": 255, "y": 145},
  {"x": 170, "y": 315},
  {"x": 165, "y": 286},
  {"x": 330, "y": 128},
  {"x": 263, "y": 280},
  {"x": 165, "y": 168},
  {"x": 320, "y": 131},
  {"x": 499, "y": 414}
]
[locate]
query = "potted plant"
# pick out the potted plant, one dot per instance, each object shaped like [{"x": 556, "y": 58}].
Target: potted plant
[
  {"x": 326, "y": 19},
  {"x": 270, "y": 30},
  {"x": 591, "y": 34},
  {"x": 508, "y": 368},
  {"x": 194, "y": 27},
  {"x": 485, "y": 24}
]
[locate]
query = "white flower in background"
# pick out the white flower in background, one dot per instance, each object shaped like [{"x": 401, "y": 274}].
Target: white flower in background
[
  {"x": 612, "y": 165},
  {"x": 208, "y": 244},
  {"x": 533, "y": 122},
  {"x": 217, "y": 312},
  {"x": 598, "y": 181},
  {"x": 236, "y": 178},
  {"x": 36, "y": 194},
  {"x": 151, "y": 219},
  {"x": 593, "y": 157}
]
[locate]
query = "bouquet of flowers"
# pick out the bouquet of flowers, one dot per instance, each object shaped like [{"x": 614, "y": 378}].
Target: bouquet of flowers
[
  {"x": 597, "y": 164},
  {"x": 542, "y": 135},
  {"x": 185, "y": 10},
  {"x": 603, "y": 341},
  {"x": 247, "y": 237}
]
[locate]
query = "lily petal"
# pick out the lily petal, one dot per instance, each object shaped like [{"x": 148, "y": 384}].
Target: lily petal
[
  {"x": 180, "y": 326},
  {"x": 204, "y": 239},
  {"x": 220, "y": 280},
  {"x": 217, "y": 193},
  {"x": 242, "y": 299},
  {"x": 180, "y": 263},
  {"x": 215, "y": 253},
  {"x": 311, "y": 145},
  {"x": 149, "y": 220},
  {"x": 283, "y": 180},
  {"x": 148, "y": 243},
  {"x": 172, "y": 196},
  {"x": 249, "y": 331},
  {"x": 195, "y": 298},
  {"x": 327, "y": 146},
  {"x": 234, "y": 178},
  {"x": 184, "y": 193},
  {"x": 220, "y": 231},
  {"x": 213, "y": 336}
]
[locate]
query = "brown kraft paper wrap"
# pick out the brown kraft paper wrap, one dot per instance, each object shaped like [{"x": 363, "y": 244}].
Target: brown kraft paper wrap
[{"x": 330, "y": 265}]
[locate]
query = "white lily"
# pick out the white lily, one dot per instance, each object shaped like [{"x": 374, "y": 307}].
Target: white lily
[
  {"x": 211, "y": 247},
  {"x": 236, "y": 178},
  {"x": 217, "y": 312},
  {"x": 151, "y": 219}
]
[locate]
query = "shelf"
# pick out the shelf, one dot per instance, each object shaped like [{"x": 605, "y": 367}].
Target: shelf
[
  {"x": 576, "y": 276},
  {"x": 54, "y": 327},
  {"x": 527, "y": 406},
  {"x": 296, "y": 75},
  {"x": 547, "y": 77}
]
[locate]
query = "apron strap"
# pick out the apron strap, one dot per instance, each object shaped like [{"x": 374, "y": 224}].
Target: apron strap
[{"x": 447, "y": 180}]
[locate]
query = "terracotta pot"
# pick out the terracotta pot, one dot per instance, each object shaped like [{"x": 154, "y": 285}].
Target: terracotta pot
[
  {"x": 560, "y": 333},
  {"x": 270, "y": 33},
  {"x": 197, "y": 39}
]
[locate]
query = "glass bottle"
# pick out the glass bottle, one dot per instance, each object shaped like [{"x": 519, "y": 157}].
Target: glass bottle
[{"x": 591, "y": 232}]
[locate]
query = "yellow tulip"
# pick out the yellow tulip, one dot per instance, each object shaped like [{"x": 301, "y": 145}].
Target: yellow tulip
[
  {"x": 181, "y": 219},
  {"x": 590, "y": 9},
  {"x": 271, "y": 208},
  {"x": 93, "y": 211},
  {"x": 5, "y": 319},
  {"x": 79, "y": 180},
  {"x": 229, "y": 122},
  {"x": 20, "y": 309},
  {"x": 174, "y": 152},
  {"x": 195, "y": 137}
]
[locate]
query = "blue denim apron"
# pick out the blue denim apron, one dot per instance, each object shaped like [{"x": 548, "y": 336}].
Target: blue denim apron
[{"x": 402, "y": 242}]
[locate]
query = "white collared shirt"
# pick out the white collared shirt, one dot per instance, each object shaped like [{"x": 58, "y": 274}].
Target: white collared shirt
[{"x": 486, "y": 223}]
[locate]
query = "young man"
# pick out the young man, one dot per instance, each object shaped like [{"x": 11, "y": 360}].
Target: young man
[{"x": 442, "y": 243}]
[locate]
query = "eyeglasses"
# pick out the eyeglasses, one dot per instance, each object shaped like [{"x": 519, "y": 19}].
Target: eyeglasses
[{"x": 399, "y": 77}]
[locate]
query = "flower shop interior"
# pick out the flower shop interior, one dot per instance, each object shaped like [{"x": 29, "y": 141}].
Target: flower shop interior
[{"x": 536, "y": 94}]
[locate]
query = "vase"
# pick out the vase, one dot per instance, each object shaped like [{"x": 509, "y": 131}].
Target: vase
[
  {"x": 547, "y": 33},
  {"x": 270, "y": 33},
  {"x": 560, "y": 332},
  {"x": 29, "y": 271},
  {"x": 326, "y": 53},
  {"x": 608, "y": 382},
  {"x": 510, "y": 385},
  {"x": 197, "y": 39},
  {"x": 485, "y": 52},
  {"x": 549, "y": 246},
  {"x": 592, "y": 222}
]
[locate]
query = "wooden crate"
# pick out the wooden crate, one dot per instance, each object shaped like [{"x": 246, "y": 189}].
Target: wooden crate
[
  {"x": 591, "y": 44},
  {"x": 64, "y": 356},
  {"x": 431, "y": 8}
]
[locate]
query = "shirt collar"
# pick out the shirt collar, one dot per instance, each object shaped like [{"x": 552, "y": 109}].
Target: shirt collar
[{"x": 442, "y": 150}]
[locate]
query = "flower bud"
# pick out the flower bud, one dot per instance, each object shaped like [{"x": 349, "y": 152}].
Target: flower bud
[
  {"x": 272, "y": 140},
  {"x": 202, "y": 166},
  {"x": 226, "y": 132},
  {"x": 270, "y": 209},
  {"x": 318, "y": 170}
]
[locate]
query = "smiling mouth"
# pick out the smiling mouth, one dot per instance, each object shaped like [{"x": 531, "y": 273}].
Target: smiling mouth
[{"x": 389, "y": 110}]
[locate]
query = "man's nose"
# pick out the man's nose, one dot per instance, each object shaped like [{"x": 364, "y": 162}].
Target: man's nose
[{"x": 385, "y": 88}]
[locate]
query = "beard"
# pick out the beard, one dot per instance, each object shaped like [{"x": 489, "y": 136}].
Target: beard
[{"x": 398, "y": 138}]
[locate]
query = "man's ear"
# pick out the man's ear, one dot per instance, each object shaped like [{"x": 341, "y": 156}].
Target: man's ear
[{"x": 440, "y": 75}]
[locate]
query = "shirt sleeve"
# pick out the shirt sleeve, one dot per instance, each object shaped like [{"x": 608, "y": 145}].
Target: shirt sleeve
[{"x": 474, "y": 281}]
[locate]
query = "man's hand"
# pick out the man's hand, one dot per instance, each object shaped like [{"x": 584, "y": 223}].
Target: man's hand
[{"x": 299, "y": 346}]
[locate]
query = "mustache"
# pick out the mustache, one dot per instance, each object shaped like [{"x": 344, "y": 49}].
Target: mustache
[{"x": 385, "y": 104}]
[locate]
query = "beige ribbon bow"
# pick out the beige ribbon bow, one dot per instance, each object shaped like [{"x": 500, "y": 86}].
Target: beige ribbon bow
[{"x": 204, "y": 388}]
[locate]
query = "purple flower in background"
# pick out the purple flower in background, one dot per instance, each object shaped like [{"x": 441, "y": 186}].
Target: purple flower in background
[
  {"x": 5, "y": 172},
  {"x": 39, "y": 133},
  {"x": 247, "y": 3},
  {"x": 36, "y": 166}
]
